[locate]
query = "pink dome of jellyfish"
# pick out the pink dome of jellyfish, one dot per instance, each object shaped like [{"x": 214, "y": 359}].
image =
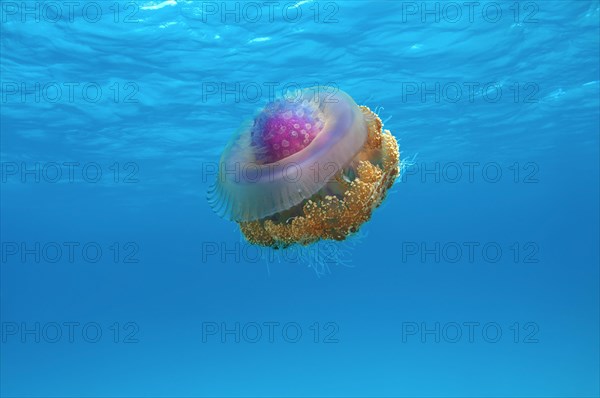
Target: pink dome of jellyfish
[{"x": 309, "y": 167}]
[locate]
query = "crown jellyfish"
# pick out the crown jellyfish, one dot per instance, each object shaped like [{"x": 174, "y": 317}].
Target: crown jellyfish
[{"x": 310, "y": 167}]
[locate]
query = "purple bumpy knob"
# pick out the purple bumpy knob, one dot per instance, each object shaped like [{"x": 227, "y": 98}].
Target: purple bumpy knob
[{"x": 284, "y": 128}]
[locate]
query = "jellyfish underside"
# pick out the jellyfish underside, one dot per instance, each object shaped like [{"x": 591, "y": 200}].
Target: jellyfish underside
[{"x": 343, "y": 204}]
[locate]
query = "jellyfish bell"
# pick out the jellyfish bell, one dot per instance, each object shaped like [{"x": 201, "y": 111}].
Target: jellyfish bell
[{"x": 309, "y": 167}]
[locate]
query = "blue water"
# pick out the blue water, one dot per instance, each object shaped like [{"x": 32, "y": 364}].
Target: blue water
[{"x": 478, "y": 276}]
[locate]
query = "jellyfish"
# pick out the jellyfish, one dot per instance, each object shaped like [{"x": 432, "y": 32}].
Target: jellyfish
[{"x": 311, "y": 166}]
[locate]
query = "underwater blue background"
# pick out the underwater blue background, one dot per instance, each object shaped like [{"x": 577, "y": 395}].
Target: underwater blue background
[{"x": 177, "y": 295}]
